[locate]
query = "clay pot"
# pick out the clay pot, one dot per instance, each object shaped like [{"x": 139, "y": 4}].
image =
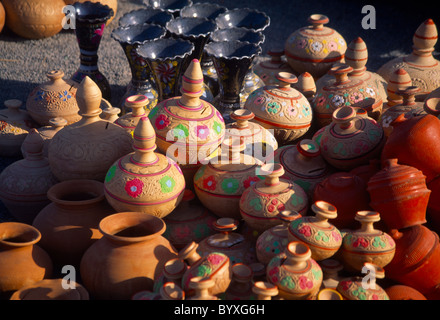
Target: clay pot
[
  {"x": 237, "y": 247},
  {"x": 215, "y": 266},
  {"x": 34, "y": 19},
  {"x": 110, "y": 113},
  {"x": 401, "y": 292},
  {"x": 322, "y": 238},
  {"x": 351, "y": 140},
  {"x": 130, "y": 120},
  {"x": 329, "y": 294},
  {"x": 413, "y": 141},
  {"x": 173, "y": 271},
  {"x": 86, "y": 149},
  {"x": 51, "y": 289},
  {"x": 259, "y": 141},
  {"x": 2, "y": 17},
  {"x": 420, "y": 64},
  {"x": 366, "y": 171},
  {"x": 168, "y": 291},
  {"x": 69, "y": 224},
  {"x": 274, "y": 240},
  {"x": 296, "y": 274},
  {"x": 268, "y": 69},
  {"x": 347, "y": 192},
  {"x": 261, "y": 202},
  {"x": 190, "y": 221},
  {"x": 400, "y": 193},
  {"x": 314, "y": 48},
  {"x": 331, "y": 269},
  {"x": 54, "y": 98},
  {"x": 282, "y": 109},
  {"x": 188, "y": 129},
  {"x": 113, "y": 4},
  {"x": 366, "y": 244},
  {"x": 353, "y": 288},
  {"x": 398, "y": 80},
  {"x": 23, "y": 261},
  {"x": 303, "y": 164},
  {"x": 24, "y": 183},
  {"x": 345, "y": 91},
  {"x": 220, "y": 184},
  {"x": 416, "y": 260},
  {"x": 15, "y": 124},
  {"x": 201, "y": 287},
  {"x": 241, "y": 284},
  {"x": 264, "y": 290},
  {"x": 128, "y": 258},
  {"x": 306, "y": 85}
]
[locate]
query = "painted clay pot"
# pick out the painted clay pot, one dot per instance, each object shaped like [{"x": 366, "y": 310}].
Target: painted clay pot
[
  {"x": 399, "y": 79},
  {"x": 263, "y": 200},
  {"x": 215, "y": 266},
  {"x": 322, "y": 237},
  {"x": 350, "y": 140},
  {"x": 400, "y": 193},
  {"x": 190, "y": 221},
  {"x": 366, "y": 244},
  {"x": 329, "y": 294},
  {"x": 24, "y": 183},
  {"x": 241, "y": 284},
  {"x": 201, "y": 287},
  {"x": 264, "y": 290},
  {"x": 173, "y": 271},
  {"x": 416, "y": 260},
  {"x": 86, "y": 149},
  {"x": 69, "y": 224},
  {"x": 282, "y": 109},
  {"x": 347, "y": 192},
  {"x": 408, "y": 105},
  {"x": 314, "y": 48},
  {"x": 259, "y": 141},
  {"x": 130, "y": 120},
  {"x": 188, "y": 129},
  {"x": 401, "y": 292},
  {"x": 303, "y": 164},
  {"x": 274, "y": 240},
  {"x": 170, "y": 6},
  {"x": 51, "y": 289},
  {"x": 54, "y": 98},
  {"x": 268, "y": 69},
  {"x": 24, "y": 262},
  {"x": 34, "y": 19},
  {"x": 15, "y": 125},
  {"x": 236, "y": 246},
  {"x": 432, "y": 103},
  {"x": 420, "y": 64},
  {"x": 345, "y": 91},
  {"x": 113, "y": 4},
  {"x": 331, "y": 268},
  {"x": 356, "y": 56},
  {"x": 306, "y": 85},
  {"x": 2, "y": 17},
  {"x": 90, "y": 22},
  {"x": 128, "y": 258},
  {"x": 220, "y": 183},
  {"x": 141, "y": 83},
  {"x": 296, "y": 274},
  {"x": 353, "y": 288},
  {"x": 47, "y": 133},
  {"x": 143, "y": 180},
  {"x": 418, "y": 135}
]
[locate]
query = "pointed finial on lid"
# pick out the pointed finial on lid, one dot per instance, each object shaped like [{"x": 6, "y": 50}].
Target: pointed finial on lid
[
  {"x": 192, "y": 85},
  {"x": 356, "y": 55},
  {"x": 144, "y": 142},
  {"x": 88, "y": 97},
  {"x": 306, "y": 85},
  {"x": 426, "y": 36},
  {"x": 33, "y": 144},
  {"x": 399, "y": 79}
]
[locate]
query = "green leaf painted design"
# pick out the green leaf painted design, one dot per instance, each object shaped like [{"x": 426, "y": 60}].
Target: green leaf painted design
[
  {"x": 180, "y": 131},
  {"x": 167, "y": 184},
  {"x": 230, "y": 185},
  {"x": 288, "y": 282},
  {"x": 110, "y": 174},
  {"x": 296, "y": 200},
  {"x": 256, "y": 204}
]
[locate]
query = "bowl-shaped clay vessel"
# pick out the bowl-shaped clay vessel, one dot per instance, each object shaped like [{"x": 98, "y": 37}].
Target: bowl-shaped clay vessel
[
  {"x": 171, "y": 6},
  {"x": 146, "y": 15},
  {"x": 203, "y": 10},
  {"x": 243, "y": 17}
]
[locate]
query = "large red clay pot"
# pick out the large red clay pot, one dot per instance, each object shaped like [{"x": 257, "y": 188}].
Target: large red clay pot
[
  {"x": 416, "y": 261},
  {"x": 414, "y": 142},
  {"x": 401, "y": 292},
  {"x": 399, "y": 193}
]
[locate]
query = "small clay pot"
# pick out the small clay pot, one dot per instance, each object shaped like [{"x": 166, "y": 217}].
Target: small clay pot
[{"x": 51, "y": 289}]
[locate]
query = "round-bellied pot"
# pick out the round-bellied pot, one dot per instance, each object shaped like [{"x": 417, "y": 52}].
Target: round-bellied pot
[
  {"x": 130, "y": 120},
  {"x": 268, "y": 69},
  {"x": 51, "y": 289},
  {"x": 402, "y": 292}
]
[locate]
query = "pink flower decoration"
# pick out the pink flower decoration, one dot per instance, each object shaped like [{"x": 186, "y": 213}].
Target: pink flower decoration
[
  {"x": 161, "y": 122},
  {"x": 360, "y": 242},
  {"x": 301, "y": 43},
  {"x": 336, "y": 236},
  {"x": 356, "y": 97},
  {"x": 182, "y": 232},
  {"x": 332, "y": 46},
  {"x": 259, "y": 100},
  {"x": 219, "y": 116},
  {"x": 202, "y": 132},
  {"x": 305, "y": 283},
  {"x": 98, "y": 34},
  {"x": 270, "y": 208},
  {"x": 134, "y": 187},
  {"x": 320, "y": 101},
  {"x": 292, "y": 111},
  {"x": 306, "y": 230},
  {"x": 210, "y": 183},
  {"x": 345, "y": 285},
  {"x": 250, "y": 181},
  {"x": 215, "y": 259},
  {"x": 273, "y": 271}
]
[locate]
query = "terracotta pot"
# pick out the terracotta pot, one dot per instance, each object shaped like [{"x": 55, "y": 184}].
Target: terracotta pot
[
  {"x": 401, "y": 292},
  {"x": 128, "y": 258},
  {"x": 400, "y": 193},
  {"x": 69, "y": 224},
  {"x": 24, "y": 183},
  {"x": 23, "y": 261},
  {"x": 54, "y": 98},
  {"x": 111, "y": 3},
  {"x": 331, "y": 269},
  {"x": 399, "y": 79},
  {"x": 347, "y": 192},
  {"x": 130, "y": 120},
  {"x": 366, "y": 171},
  {"x": 416, "y": 260},
  {"x": 241, "y": 284},
  {"x": 86, "y": 149},
  {"x": 261, "y": 202},
  {"x": 267, "y": 69},
  {"x": 34, "y": 19},
  {"x": 201, "y": 286},
  {"x": 296, "y": 274},
  {"x": 413, "y": 142},
  {"x": 264, "y": 290},
  {"x": 214, "y": 266},
  {"x": 366, "y": 244},
  {"x": 173, "y": 271},
  {"x": 51, "y": 289},
  {"x": 322, "y": 237},
  {"x": 2, "y": 17}
]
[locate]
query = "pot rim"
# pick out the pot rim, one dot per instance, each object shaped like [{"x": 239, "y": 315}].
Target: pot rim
[{"x": 96, "y": 187}]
